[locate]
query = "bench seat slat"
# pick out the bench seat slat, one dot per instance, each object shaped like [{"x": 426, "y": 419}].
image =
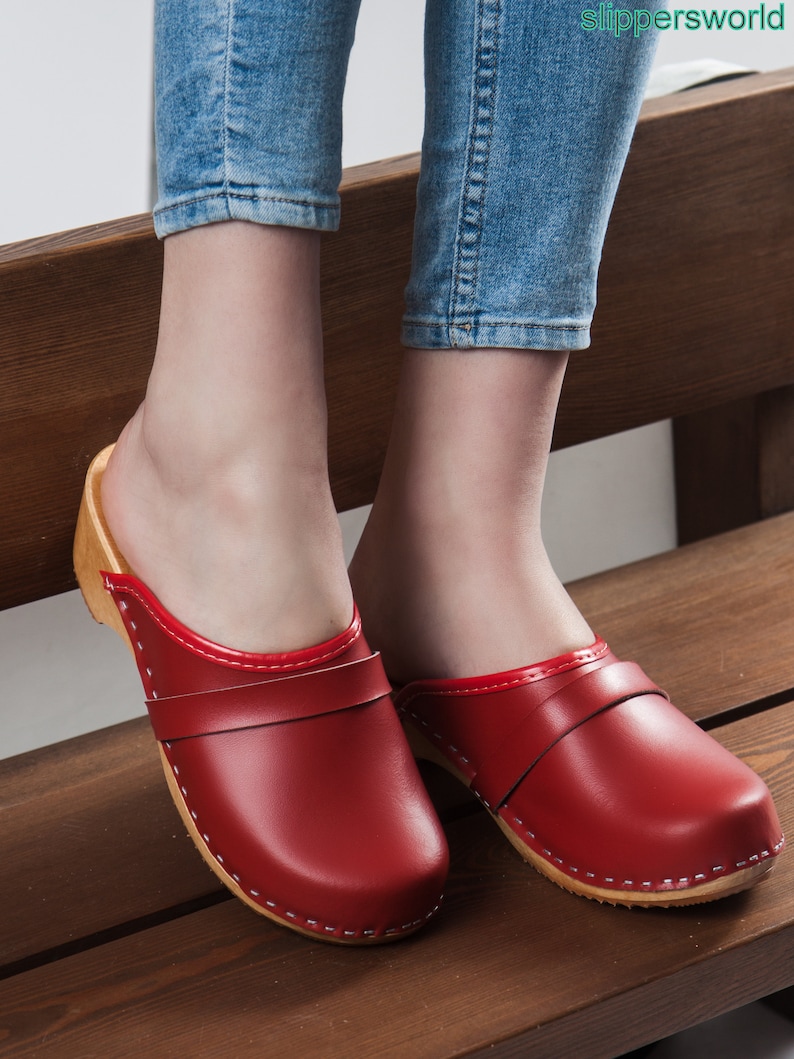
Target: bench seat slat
[
  {"x": 99, "y": 807},
  {"x": 711, "y": 622},
  {"x": 534, "y": 963},
  {"x": 90, "y": 841}
]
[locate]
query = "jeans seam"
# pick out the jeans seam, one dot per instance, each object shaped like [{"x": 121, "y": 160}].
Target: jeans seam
[
  {"x": 227, "y": 76},
  {"x": 473, "y": 190},
  {"x": 224, "y": 192},
  {"x": 487, "y": 323}
]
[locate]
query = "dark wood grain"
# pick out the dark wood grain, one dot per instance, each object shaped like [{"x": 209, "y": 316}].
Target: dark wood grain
[
  {"x": 695, "y": 310},
  {"x": 79, "y": 320},
  {"x": 695, "y": 305},
  {"x": 734, "y": 464},
  {"x": 716, "y": 470},
  {"x": 776, "y": 450},
  {"x": 513, "y": 964},
  {"x": 712, "y": 622},
  {"x": 91, "y": 841}
]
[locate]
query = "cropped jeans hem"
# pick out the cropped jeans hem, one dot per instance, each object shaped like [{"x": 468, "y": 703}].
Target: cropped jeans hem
[
  {"x": 244, "y": 205},
  {"x": 528, "y": 120},
  {"x": 424, "y": 334}
]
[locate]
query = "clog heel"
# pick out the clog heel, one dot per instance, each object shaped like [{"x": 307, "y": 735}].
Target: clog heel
[{"x": 95, "y": 551}]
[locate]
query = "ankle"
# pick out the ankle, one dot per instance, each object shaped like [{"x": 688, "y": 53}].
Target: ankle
[{"x": 460, "y": 603}]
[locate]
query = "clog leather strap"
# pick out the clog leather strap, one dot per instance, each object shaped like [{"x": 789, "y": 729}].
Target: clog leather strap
[
  {"x": 526, "y": 743},
  {"x": 292, "y": 697}
]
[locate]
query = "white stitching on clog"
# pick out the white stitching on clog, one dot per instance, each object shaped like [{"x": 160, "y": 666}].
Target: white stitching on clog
[
  {"x": 682, "y": 881},
  {"x": 310, "y": 922},
  {"x": 583, "y": 658},
  {"x": 569, "y": 868},
  {"x": 256, "y": 667}
]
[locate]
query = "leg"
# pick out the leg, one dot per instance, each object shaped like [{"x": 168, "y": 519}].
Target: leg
[
  {"x": 219, "y": 548},
  {"x": 217, "y": 492},
  {"x": 451, "y": 573},
  {"x": 528, "y": 123},
  {"x": 590, "y": 772}
]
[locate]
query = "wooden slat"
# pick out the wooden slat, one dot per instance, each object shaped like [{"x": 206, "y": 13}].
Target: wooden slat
[
  {"x": 95, "y": 808},
  {"x": 716, "y": 470},
  {"x": 695, "y": 305},
  {"x": 90, "y": 841},
  {"x": 712, "y": 622},
  {"x": 734, "y": 464},
  {"x": 79, "y": 322},
  {"x": 696, "y": 310},
  {"x": 513, "y": 966}
]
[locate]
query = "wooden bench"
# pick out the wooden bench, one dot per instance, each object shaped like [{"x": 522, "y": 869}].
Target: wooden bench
[{"x": 116, "y": 940}]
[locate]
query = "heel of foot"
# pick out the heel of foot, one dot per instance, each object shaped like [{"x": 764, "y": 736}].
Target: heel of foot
[{"x": 95, "y": 550}]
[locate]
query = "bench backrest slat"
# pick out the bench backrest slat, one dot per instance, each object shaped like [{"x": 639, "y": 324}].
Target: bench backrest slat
[{"x": 696, "y": 310}]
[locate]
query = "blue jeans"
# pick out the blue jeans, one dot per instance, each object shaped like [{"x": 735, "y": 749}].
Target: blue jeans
[{"x": 528, "y": 122}]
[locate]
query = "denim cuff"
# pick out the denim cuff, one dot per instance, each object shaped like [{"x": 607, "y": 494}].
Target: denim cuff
[
  {"x": 424, "y": 334},
  {"x": 239, "y": 206}
]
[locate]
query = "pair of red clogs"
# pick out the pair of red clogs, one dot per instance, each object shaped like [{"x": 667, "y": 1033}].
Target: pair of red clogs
[{"x": 294, "y": 778}]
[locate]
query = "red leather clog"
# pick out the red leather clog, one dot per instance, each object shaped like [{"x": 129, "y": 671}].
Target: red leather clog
[
  {"x": 598, "y": 781},
  {"x": 290, "y": 771}
]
